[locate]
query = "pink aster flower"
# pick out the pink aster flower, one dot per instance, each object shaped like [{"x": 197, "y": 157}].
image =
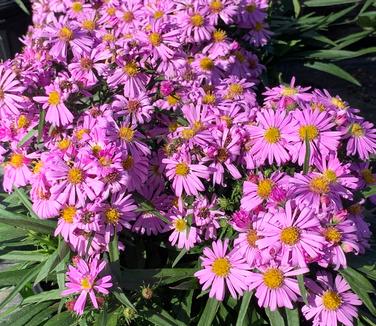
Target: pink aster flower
[
  {"x": 83, "y": 279},
  {"x": 222, "y": 269},
  {"x": 129, "y": 16},
  {"x": 316, "y": 128},
  {"x": 271, "y": 136},
  {"x": 57, "y": 113},
  {"x": 185, "y": 176},
  {"x": 65, "y": 225},
  {"x": 183, "y": 235},
  {"x": 362, "y": 139},
  {"x": 222, "y": 9},
  {"x": 10, "y": 92},
  {"x": 139, "y": 107},
  {"x": 330, "y": 301},
  {"x": 275, "y": 288},
  {"x": 297, "y": 234}
]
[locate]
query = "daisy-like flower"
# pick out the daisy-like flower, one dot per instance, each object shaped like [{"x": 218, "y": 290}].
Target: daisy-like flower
[
  {"x": 57, "y": 113},
  {"x": 316, "y": 128},
  {"x": 257, "y": 190},
  {"x": 276, "y": 285},
  {"x": 296, "y": 232},
  {"x": 83, "y": 279},
  {"x": 330, "y": 301},
  {"x": 222, "y": 269},
  {"x": 118, "y": 213},
  {"x": 10, "y": 90},
  {"x": 222, "y": 9},
  {"x": 129, "y": 16},
  {"x": 183, "y": 235},
  {"x": 185, "y": 176},
  {"x": 65, "y": 225},
  {"x": 271, "y": 136},
  {"x": 362, "y": 139},
  {"x": 139, "y": 107}
]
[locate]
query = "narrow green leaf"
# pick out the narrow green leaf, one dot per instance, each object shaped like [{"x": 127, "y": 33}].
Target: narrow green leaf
[
  {"x": 327, "y": 3},
  {"x": 180, "y": 256},
  {"x": 101, "y": 319},
  {"x": 275, "y": 317},
  {"x": 27, "y": 137},
  {"x": 209, "y": 312},
  {"x": 25, "y": 279},
  {"x": 160, "y": 317},
  {"x": 22, "y": 316},
  {"x": 244, "y": 308},
  {"x": 41, "y": 123},
  {"x": 369, "y": 191},
  {"x": 38, "y": 319},
  {"x": 307, "y": 154},
  {"x": 8, "y": 278},
  {"x": 296, "y": 4},
  {"x": 63, "y": 319},
  {"x": 292, "y": 317},
  {"x": 20, "y": 255},
  {"x": 26, "y": 223},
  {"x": 25, "y": 201},
  {"x": 302, "y": 288},
  {"x": 122, "y": 298},
  {"x": 333, "y": 69},
  {"x": 43, "y": 296},
  {"x": 112, "y": 318}
]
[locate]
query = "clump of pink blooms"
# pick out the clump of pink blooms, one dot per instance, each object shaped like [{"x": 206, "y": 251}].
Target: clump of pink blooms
[{"x": 121, "y": 100}]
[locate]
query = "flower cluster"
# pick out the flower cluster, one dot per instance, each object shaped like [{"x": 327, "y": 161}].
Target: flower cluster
[{"x": 142, "y": 116}]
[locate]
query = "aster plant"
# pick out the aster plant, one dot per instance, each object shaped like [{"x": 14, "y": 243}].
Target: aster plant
[{"x": 146, "y": 183}]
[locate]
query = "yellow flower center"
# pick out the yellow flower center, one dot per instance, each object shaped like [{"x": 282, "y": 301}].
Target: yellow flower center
[
  {"x": 331, "y": 300},
  {"x": 173, "y": 99},
  {"x": 338, "y": 103},
  {"x": 96, "y": 149},
  {"x": 356, "y": 130},
  {"x": 37, "y": 167},
  {"x": 252, "y": 237},
  {"x": 368, "y": 176},
  {"x": 272, "y": 135},
  {"x": 54, "y": 98},
  {"x": 288, "y": 91},
  {"x": 309, "y": 132},
  {"x": 75, "y": 176},
  {"x": 65, "y": 34},
  {"x": 131, "y": 69},
  {"x": 81, "y": 132},
  {"x": 216, "y": 6},
  {"x": 108, "y": 37},
  {"x": 227, "y": 119},
  {"x": 259, "y": 26},
  {"x": 173, "y": 126},
  {"x": 332, "y": 235},
  {"x": 221, "y": 267},
  {"x": 86, "y": 63},
  {"x": 273, "y": 278},
  {"x": 187, "y": 133},
  {"x": 105, "y": 161},
  {"x": 158, "y": 14},
  {"x": 264, "y": 188},
  {"x": 111, "y": 11},
  {"x": 206, "y": 64},
  {"x": 77, "y": 6},
  {"x": 17, "y": 160},
  {"x": 318, "y": 106},
  {"x": 250, "y": 8},
  {"x": 88, "y": 25},
  {"x": 222, "y": 155},
  {"x": 319, "y": 185},
  {"x": 22, "y": 122},
  {"x": 180, "y": 225},
  {"x": 155, "y": 39},
  {"x": 126, "y": 134},
  {"x": 128, "y": 163},
  {"x": 219, "y": 36},
  {"x": 182, "y": 169},
  {"x": 290, "y": 235},
  {"x": 330, "y": 175},
  {"x": 128, "y": 16},
  {"x": 63, "y": 144},
  {"x": 209, "y": 98},
  {"x": 112, "y": 215},
  {"x": 197, "y": 20},
  {"x": 85, "y": 283},
  {"x": 68, "y": 213}
]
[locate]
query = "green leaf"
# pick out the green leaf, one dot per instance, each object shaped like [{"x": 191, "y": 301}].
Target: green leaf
[
  {"x": 43, "y": 296},
  {"x": 275, "y": 317},
  {"x": 63, "y": 319},
  {"x": 244, "y": 308},
  {"x": 180, "y": 256},
  {"x": 19, "y": 286},
  {"x": 302, "y": 288},
  {"x": 25, "y": 201},
  {"x": 20, "y": 255},
  {"x": 41, "y": 123},
  {"x": 48, "y": 266},
  {"x": 367, "y": 19},
  {"x": 22, "y": 6},
  {"x": 292, "y": 317},
  {"x": 122, "y": 298},
  {"x": 42, "y": 316},
  {"x": 101, "y": 319},
  {"x": 209, "y": 312},
  {"x": 26, "y": 223},
  {"x": 160, "y": 317},
  {"x": 27, "y": 137},
  {"x": 333, "y": 69},
  {"x": 307, "y": 154},
  {"x": 361, "y": 286},
  {"x": 8, "y": 278},
  {"x": 112, "y": 317},
  {"x": 327, "y": 3},
  {"x": 22, "y": 316},
  {"x": 296, "y": 4},
  {"x": 369, "y": 191}
]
